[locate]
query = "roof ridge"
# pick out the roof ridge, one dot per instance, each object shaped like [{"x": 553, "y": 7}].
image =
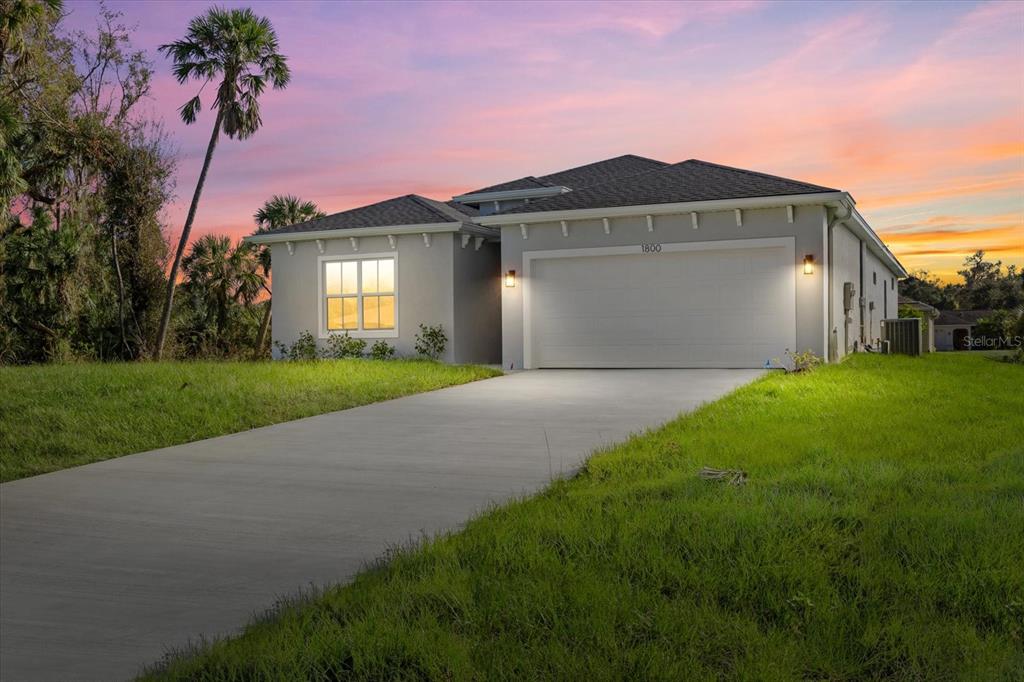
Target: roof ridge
[
  {"x": 752, "y": 172},
  {"x": 594, "y": 163},
  {"x": 613, "y": 181}
]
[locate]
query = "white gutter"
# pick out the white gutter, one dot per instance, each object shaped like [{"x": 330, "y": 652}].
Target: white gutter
[
  {"x": 830, "y": 198},
  {"x": 860, "y": 227},
  {"x": 425, "y": 228},
  {"x": 508, "y": 194}
]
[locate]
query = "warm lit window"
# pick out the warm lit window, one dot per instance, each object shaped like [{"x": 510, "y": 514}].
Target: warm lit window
[{"x": 359, "y": 295}]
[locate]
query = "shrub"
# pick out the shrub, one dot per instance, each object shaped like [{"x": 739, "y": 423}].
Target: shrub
[
  {"x": 431, "y": 341},
  {"x": 996, "y": 330},
  {"x": 1017, "y": 357},
  {"x": 803, "y": 362},
  {"x": 382, "y": 350},
  {"x": 304, "y": 348},
  {"x": 344, "y": 346}
]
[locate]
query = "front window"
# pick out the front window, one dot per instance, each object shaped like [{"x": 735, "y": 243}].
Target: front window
[{"x": 359, "y": 295}]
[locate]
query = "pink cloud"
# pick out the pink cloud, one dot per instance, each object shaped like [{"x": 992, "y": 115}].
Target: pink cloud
[{"x": 915, "y": 109}]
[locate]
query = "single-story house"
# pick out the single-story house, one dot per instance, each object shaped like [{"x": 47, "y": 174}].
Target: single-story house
[
  {"x": 626, "y": 262},
  {"x": 954, "y": 329}
]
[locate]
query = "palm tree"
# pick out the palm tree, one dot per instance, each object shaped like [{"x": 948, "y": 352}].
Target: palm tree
[
  {"x": 278, "y": 211},
  {"x": 241, "y": 50},
  {"x": 219, "y": 275},
  {"x": 16, "y": 16}
]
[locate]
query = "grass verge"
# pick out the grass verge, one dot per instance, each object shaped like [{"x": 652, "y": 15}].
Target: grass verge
[
  {"x": 58, "y": 416},
  {"x": 880, "y": 535}
]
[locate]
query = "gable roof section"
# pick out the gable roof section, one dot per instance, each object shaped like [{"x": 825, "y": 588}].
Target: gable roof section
[
  {"x": 410, "y": 209},
  {"x": 580, "y": 176},
  {"x": 683, "y": 182}
]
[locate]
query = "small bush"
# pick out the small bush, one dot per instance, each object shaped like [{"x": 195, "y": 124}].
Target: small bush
[
  {"x": 304, "y": 348},
  {"x": 1016, "y": 357},
  {"x": 803, "y": 362},
  {"x": 344, "y": 346},
  {"x": 431, "y": 341},
  {"x": 382, "y": 350}
]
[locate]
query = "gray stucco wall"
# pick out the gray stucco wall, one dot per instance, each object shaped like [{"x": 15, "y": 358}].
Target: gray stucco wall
[
  {"x": 879, "y": 292},
  {"x": 477, "y": 291},
  {"x": 424, "y": 281},
  {"x": 879, "y": 289},
  {"x": 845, "y": 268},
  {"x": 807, "y": 229}
]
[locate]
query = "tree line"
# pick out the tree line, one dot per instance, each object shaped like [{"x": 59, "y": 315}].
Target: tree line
[
  {"x": 984, "y": 285},
  {"x": 86, "y": 267}
]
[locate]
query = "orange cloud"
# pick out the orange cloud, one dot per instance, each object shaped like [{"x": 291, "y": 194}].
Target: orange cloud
[{"x": 1012, "y": 235}]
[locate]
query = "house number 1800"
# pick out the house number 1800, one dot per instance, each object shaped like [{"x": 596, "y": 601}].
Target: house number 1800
[{"x": 650, "y": 248}]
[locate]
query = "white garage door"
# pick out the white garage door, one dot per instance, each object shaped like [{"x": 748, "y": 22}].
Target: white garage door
[{"x": 697, "y": 305}]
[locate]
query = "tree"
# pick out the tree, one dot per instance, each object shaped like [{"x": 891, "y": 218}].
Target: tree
[
  {"x": 985, "y": 285},
  {"x": 84, "y": 176},
  {"x": 218, "y": 276},
  {"x": 278, "y": 211},
  {"x": 241, "y": 50},
  {"x": 925, "y": 287},
  {"x": 16, "y": 17}
]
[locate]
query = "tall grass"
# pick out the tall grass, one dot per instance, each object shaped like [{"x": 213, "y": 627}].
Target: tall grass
[
  {"x": 880, "y": 535},
  {"x": 57, "y": 416}
]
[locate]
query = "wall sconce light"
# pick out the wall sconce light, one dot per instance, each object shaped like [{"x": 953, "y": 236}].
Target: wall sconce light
[
  {"x": 809, "y": 264},
  {"x": 510, "y": 278}
]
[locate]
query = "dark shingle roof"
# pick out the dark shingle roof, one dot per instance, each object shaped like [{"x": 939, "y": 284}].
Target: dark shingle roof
[
  {"x": 931, "y": 310},
  {"x": 600, "y": 172},
  {"x": 529, "y": 182},
  {"x": 410, "y": 209},
  {"x": 465, "y": 209},
  {"x": 581, "y": 176},
  {"x": 962, "y": 317},
  {"x": 691, "y": 180}
]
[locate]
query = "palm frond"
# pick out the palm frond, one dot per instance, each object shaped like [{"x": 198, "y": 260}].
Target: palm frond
[
  {"x": 240, "y": 50},
  {"x": 190, "y": 110}
]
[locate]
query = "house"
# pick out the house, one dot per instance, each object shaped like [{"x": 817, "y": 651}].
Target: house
[
  {"x": 930, "y": 314},
  {"x": 626, "y": 262},
  {"x": 955, "y": 328}
]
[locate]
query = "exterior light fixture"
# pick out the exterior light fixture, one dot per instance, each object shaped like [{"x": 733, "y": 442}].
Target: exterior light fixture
[
  {"x": 809, "y": 264},
  {"x": 510, "y": 278}
]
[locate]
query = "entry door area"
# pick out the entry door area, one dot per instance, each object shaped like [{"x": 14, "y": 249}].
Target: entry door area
[{"x": 709, "y": 304}]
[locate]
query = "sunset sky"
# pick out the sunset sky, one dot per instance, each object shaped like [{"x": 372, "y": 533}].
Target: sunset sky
[{"x": 916, "y": 109}]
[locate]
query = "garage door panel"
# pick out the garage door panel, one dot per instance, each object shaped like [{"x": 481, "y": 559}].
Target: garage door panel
[{"x": 728, "y": 307}]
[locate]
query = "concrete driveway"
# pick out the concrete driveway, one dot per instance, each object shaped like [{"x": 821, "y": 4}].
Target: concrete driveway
[{"x": 106, "y": 566}]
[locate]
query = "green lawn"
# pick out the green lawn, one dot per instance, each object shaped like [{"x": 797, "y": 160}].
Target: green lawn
[
  {"x": 880, "y": 535},
  {"x": 58, "y": 416}
]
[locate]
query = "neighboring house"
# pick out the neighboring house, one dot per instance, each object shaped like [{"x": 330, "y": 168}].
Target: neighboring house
[
  {"x": 931, "y": 314},
  {"x": 627, "y": 262},
  {"x": 954, "y": 329}
]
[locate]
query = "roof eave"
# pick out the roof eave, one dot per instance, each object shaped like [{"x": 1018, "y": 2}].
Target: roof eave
[
  {"x": 510, "y": 194},
  {"x": 815, "y": 198},
  {"x": 877, "y": 246},
  {"x": 308, "y": 235}
]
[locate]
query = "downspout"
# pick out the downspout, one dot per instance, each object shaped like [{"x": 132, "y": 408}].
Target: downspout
[
  {"x": 839, "y": 214},
  {"x": 861, "y": 299}
]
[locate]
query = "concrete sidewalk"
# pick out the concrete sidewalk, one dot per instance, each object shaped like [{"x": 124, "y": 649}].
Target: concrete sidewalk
[{"x": 106, "y": 566}]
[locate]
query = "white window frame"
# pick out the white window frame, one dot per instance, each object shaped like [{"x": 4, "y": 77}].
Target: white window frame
[{"x": 321, "y": 300}]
